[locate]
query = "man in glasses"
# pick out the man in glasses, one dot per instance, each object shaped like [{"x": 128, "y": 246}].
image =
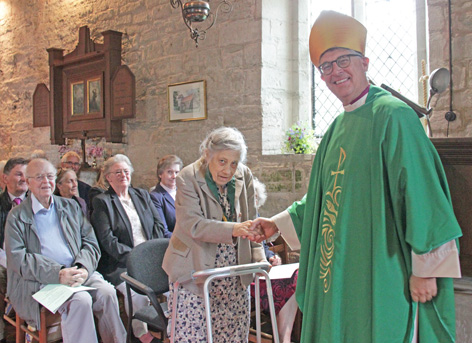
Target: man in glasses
[
  {"x": 377, "y": 229},
  {"x": 72, "y": 160},
  {"x": 49, "y": 241}
]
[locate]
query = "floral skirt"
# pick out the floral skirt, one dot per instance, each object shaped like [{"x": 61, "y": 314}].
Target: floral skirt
[{"x": 229, "y": 302}]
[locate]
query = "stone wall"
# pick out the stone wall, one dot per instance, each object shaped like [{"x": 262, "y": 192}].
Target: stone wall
[
  {"x": 286, "y": 67},
  {"x": 239, "y": 60},
  {"x": 461, "y": 21},
  {"x": 158, "y": 50}
]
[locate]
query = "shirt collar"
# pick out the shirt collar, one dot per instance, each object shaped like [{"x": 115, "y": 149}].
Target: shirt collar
[
  {"x": 22, "y": 196},
  {"x": 37, "y": 206},
  {"x": 171, "y": 191}
]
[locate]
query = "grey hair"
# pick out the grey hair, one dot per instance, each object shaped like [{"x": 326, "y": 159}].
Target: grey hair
[
  {"x": 118, "y": 158},
  {"x": 223, "y": 138},
  {"x": 38, "y": 154},
  {"x": 12, "y": 163},
  {"x": 259, "y": 192}
]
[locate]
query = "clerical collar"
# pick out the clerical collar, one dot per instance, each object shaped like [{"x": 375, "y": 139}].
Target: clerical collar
[
  {"x": 358, "y": 102},
  {"x": 364, "y": 92}
]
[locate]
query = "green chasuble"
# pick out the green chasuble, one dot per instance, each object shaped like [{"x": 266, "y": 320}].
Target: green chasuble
[{"x": 377, "y": 192}]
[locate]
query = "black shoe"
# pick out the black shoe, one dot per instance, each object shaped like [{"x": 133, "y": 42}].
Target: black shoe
[{"x": 3, "y": 340}]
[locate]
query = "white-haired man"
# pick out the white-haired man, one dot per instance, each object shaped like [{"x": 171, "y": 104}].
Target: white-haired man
[{"x": 49, "y": 241}]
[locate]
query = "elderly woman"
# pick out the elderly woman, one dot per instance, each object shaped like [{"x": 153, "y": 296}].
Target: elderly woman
[
  {"x": 214, "y": 205},
  {"x": 123, "y": 217},
  {"x": 163, "y": 195},
  {"x": 67, "y": 187}
]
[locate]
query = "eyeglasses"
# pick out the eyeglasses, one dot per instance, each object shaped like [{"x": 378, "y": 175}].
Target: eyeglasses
[
  {"x": 75, "y": 164},
  {"x": 121, "y": 171},
  {"x": 40, "y": 177},
  {"x": 342, "y": 61}
]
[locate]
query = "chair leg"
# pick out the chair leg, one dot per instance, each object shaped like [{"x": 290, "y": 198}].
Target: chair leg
[
  {"x": 130, "y": 312},
  {"x": 43, "y": 332},
  {"x": 20, "y": 335}
]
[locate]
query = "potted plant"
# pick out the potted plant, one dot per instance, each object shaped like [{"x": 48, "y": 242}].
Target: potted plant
[{"x": 300, "y": 139}]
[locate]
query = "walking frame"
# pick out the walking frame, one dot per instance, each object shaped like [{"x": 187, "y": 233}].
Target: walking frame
[{"x": 259, "y": 269}]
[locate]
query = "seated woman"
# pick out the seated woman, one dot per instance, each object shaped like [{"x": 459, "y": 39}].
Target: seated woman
[
  {"x": 163, "y": 195},
  {"x": 124, "y": 217},
  {"x": 283, "y": 290},
  {"x": 214, "y": 205},
  {"x": 67, "y": 187}
]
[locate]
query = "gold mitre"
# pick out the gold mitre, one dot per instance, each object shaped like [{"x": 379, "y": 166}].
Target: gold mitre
[{"x": 335, "y": 30}]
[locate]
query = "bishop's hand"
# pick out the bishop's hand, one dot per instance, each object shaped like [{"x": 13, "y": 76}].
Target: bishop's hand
[
  {"x": 265, "y": 227},
  {"x": 423, "y": 289}
]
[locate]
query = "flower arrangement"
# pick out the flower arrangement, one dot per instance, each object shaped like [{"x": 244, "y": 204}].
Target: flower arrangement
[
  {"x": 300, "y": 139},
  {"x": 94, "y": 151},
  {"x": 63, "y": 149}
]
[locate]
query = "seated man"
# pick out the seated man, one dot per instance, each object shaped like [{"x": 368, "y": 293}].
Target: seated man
[
  {"x": 48, "y": 241},
  {"x": 14, "y": 193}
]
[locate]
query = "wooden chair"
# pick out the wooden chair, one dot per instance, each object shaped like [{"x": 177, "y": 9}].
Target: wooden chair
[
  {"x": 48, "y": 321},
  {"x": 280, "y": 247}
]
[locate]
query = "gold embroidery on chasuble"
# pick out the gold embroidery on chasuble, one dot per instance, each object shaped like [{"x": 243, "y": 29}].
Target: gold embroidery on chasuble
[{"x": 328, "y": 231}]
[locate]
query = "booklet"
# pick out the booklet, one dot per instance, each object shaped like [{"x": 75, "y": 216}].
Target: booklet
[
  {"x": 52, "y": 296},
  {"x": 283, "y": 271}
]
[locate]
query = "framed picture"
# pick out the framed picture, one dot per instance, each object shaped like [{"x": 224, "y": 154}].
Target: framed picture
[
  {"x": 94, "y": 95},
  {"x": 77, "y": 98},
  {"x": 187, "y": 101}
]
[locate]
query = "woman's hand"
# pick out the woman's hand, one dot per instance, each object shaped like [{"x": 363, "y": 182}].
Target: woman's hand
[
  {"x": 242, "y": 229},
  {"x": 246, "y": 230}
]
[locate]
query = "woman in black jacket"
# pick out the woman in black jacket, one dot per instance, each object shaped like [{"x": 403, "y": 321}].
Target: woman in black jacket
[{"x": 124, "y": 217}]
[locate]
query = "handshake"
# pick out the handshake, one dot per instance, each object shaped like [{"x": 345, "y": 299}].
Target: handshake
[{"x": 255, "y": 230}]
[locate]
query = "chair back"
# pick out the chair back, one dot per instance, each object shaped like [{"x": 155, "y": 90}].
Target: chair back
[{"x": 145, "y": 265}]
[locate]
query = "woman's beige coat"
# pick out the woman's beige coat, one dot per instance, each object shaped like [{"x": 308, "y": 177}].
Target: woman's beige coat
[{"x": 199, "y": 226}]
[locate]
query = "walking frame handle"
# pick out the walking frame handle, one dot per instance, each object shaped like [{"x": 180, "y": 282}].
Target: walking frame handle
[{"x": 259, "y": 269}]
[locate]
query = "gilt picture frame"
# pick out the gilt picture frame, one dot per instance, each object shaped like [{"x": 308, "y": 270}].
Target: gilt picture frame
[
  {"x": 94, "y": 95},
  {"x": 187, "y": 101},
  {"x": 77, "y": 98}
]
